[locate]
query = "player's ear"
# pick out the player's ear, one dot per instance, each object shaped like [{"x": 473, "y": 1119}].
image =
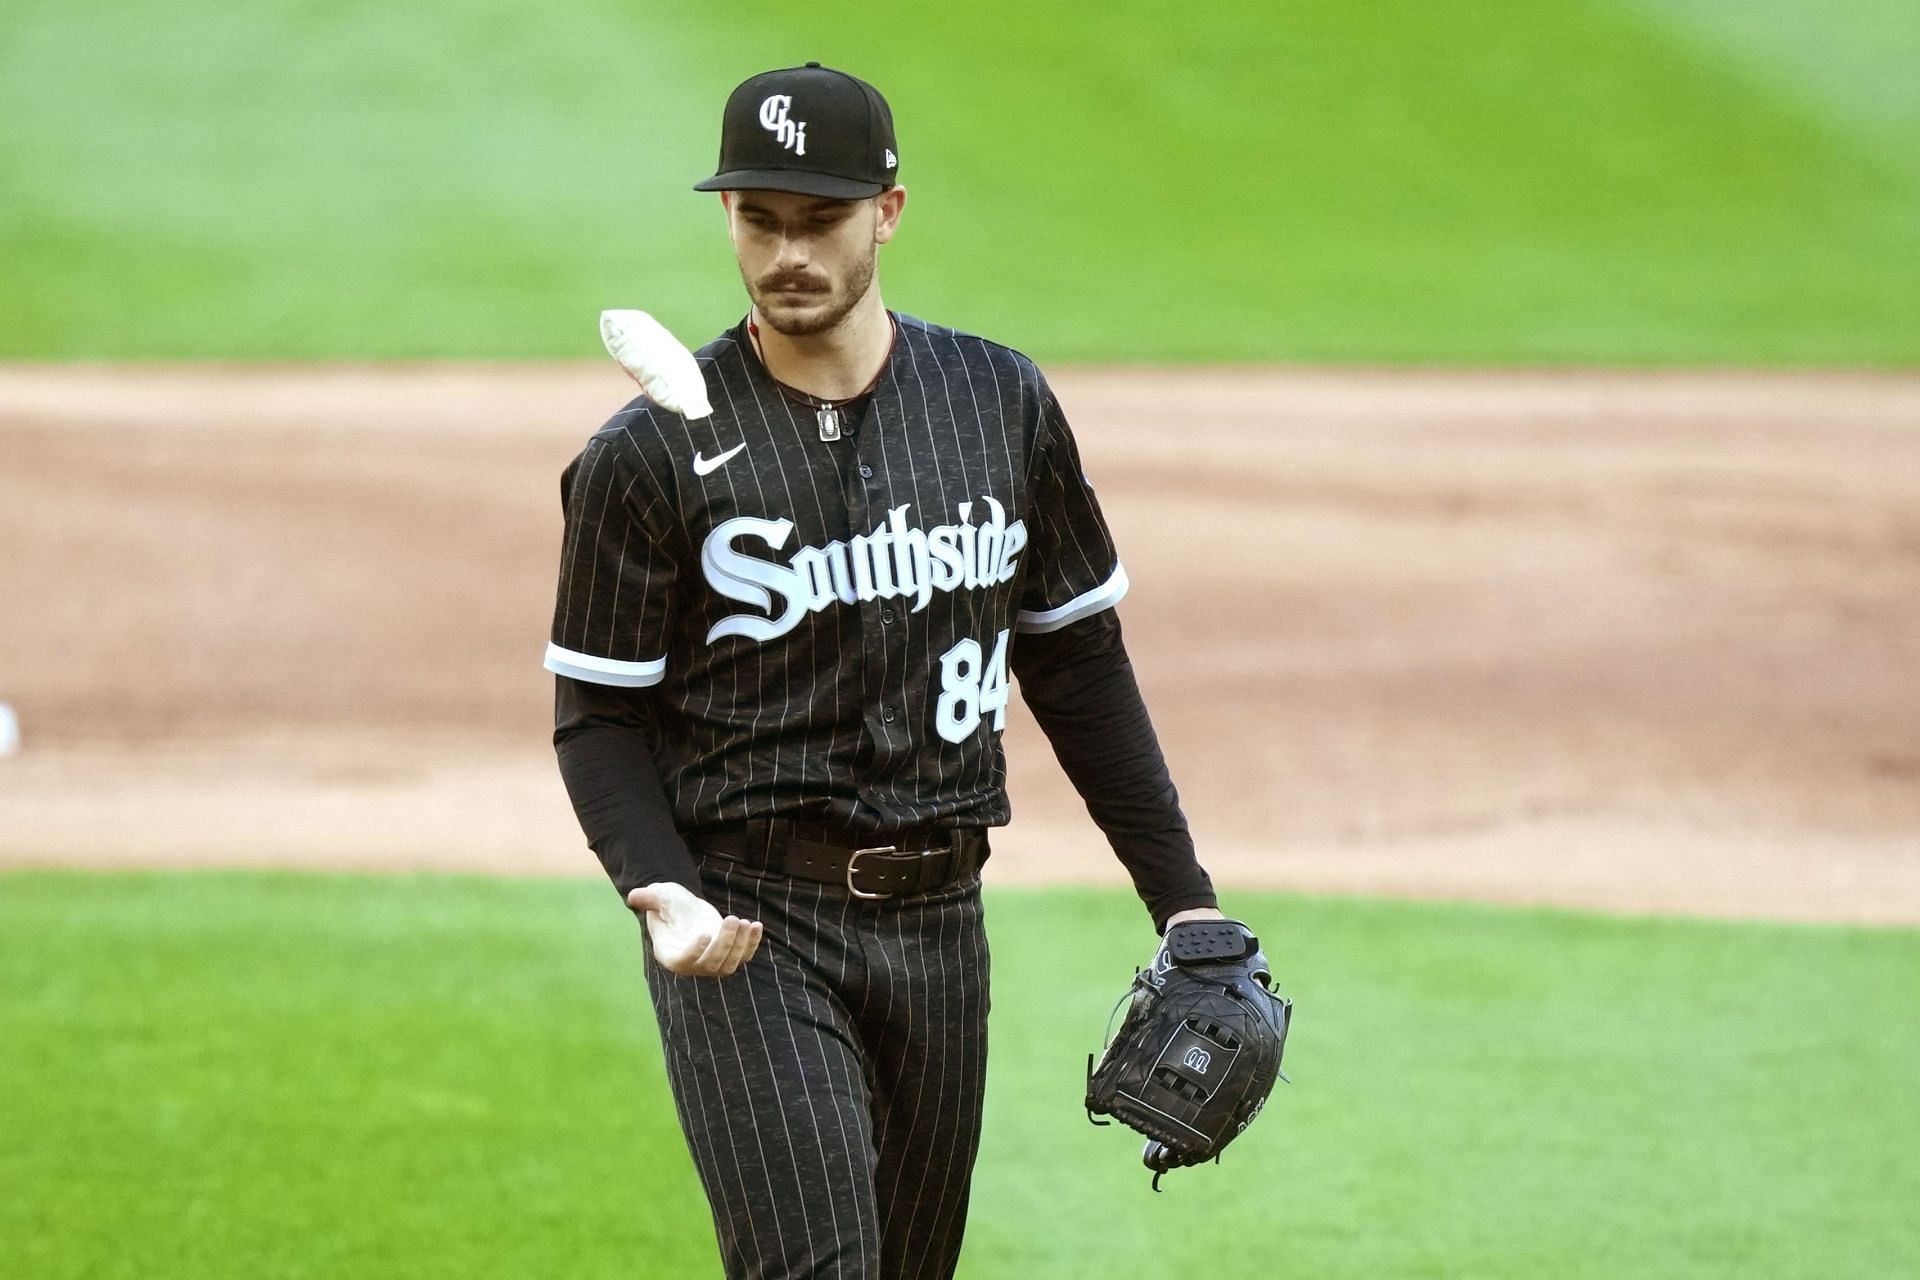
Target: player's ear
[{"x": 888, "y": 205}]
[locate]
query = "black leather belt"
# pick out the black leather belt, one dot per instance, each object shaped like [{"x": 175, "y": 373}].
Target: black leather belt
[{"x": 916, "y": 863}]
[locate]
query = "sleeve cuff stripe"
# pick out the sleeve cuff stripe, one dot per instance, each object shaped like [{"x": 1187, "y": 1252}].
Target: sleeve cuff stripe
[
  {"x": 1104, "y": 596},
  {"x": 585, "y": 666}
]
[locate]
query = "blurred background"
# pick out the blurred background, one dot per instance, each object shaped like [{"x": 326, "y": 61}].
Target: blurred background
[
  {"x": 1509, "y": 416},
  {"x": 1620, "y": 182}
]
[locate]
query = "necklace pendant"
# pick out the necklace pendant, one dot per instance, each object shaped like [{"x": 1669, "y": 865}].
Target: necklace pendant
[{"x": 829, "y": 424}]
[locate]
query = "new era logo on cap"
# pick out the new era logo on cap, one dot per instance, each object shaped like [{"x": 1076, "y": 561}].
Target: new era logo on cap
[{"x": 811, "y": 130}]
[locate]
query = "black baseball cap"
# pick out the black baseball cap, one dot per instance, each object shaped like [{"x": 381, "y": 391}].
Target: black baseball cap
[{"x": 810, "y": 130}]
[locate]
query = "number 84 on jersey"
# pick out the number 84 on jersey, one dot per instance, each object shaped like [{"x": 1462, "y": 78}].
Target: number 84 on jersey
[{"x": 970, "y": 689}]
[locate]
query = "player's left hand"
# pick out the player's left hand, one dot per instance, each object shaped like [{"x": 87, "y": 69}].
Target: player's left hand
[{"x": 1199, "y": 1048}]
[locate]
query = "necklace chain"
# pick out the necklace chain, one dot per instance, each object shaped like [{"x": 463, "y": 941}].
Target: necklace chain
[{"x": 807, "y": 398}]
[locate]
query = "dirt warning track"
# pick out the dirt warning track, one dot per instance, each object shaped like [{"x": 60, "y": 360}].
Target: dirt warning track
[{"x": 1639, "y": 641}]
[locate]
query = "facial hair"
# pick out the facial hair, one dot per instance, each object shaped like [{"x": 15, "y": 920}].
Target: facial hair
[{"x": 841, "y": 298}]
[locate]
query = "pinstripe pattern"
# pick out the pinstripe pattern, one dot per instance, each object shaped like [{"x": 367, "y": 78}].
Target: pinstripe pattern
[
  {"x": 830, "y": 1091},
  {"x": 833, "y": 719}
]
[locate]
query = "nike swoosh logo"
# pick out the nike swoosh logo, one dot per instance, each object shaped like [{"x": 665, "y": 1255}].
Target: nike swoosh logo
[{"x": 707, "y": 466}]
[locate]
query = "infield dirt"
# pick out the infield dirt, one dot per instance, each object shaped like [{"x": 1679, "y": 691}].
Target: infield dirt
[{"x": 1634, "y": 641}]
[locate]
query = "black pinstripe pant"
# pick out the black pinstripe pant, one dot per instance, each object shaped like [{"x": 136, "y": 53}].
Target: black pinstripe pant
[{"x": 830, "y": 1089}]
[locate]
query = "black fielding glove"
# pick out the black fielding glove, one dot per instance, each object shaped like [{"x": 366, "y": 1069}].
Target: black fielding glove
[{"x": 1199, "y": 1049}]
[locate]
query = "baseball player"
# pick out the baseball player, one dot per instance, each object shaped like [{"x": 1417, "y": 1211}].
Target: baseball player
[{"x": 784, "y": 641}]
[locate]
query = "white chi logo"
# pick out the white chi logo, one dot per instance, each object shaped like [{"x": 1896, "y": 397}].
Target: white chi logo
[
  {"x": 1197, "y": 1058},
  {"x": 791, "y": 134}
]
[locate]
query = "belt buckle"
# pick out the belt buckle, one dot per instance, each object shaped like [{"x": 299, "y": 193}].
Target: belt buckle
[{"x": 855, "y": 861}]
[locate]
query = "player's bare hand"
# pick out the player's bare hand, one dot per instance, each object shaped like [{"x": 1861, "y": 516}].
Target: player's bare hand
[{"x": 689, "y": 936}]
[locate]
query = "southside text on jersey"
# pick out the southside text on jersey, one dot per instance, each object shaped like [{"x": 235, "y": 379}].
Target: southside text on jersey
[{"x": 892, "y": 561}]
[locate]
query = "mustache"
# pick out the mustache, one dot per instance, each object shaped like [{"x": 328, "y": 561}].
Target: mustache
[{"x": 802, "y": 283}]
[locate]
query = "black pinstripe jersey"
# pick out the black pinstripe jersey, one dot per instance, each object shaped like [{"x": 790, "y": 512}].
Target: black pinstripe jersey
[{"x": 827, "y": 624}]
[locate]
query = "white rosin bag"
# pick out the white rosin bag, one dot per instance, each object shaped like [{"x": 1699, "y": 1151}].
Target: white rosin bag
[{"x": 656, "y": 360}]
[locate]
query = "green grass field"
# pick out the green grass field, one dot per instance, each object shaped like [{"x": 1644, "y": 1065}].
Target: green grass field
[
  {"x": 1615, "y": 181},
  {"x": 279, "y": 1075}
]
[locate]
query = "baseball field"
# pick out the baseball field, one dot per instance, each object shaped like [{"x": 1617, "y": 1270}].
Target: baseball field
[{"x": 1511, "y": 426}]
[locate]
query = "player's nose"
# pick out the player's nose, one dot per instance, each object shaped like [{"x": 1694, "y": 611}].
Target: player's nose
[{"x": 792, "y": 253}]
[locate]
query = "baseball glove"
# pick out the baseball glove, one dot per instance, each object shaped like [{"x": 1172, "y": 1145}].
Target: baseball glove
[{"x": 1199, "y": 1048}]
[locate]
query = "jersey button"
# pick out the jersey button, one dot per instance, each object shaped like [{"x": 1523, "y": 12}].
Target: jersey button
[
  {"x": 886, "y": 713},
  {"x": 886, "y": 615},
  {"x": 866, "y": 472}
]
